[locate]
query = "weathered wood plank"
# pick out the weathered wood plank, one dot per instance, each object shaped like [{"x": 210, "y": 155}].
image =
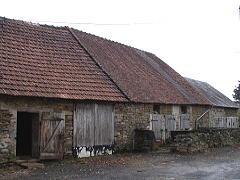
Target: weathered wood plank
[
  {"x": 170, "y": 125},
  {"x": 52, "y": 134},
  {"x": 35, "y": 135},
  {"x": 51, "y": 156},
  {"x": 84, "y": 125},
  {"x": 56, "y": 130},
  {"x": 220, "y": 122},
  {"x": 93, "y": 124},
  {"x": 104, "y": 125},
  {"x": 157, "y": 126},
  {"x": 184, "y": 122}
]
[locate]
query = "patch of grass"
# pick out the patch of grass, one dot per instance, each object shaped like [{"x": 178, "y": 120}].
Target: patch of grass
[
  {"x": 65, "y": 160},
  {"x": 156, "y": 148},
  {"x": 9, "y": 167}
]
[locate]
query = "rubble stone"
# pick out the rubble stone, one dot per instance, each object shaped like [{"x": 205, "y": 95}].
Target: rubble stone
[
  {"x": 203, "y": 140},
  {"x": 9, "y": 107}
]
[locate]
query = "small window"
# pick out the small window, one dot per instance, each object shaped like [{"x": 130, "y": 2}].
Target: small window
[
  {"x": 184, "y": 109},
  {"x": 156, "y": 109}
]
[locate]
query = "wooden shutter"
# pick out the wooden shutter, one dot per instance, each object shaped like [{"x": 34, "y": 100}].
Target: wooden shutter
[
  {"x": 229, "y": 122},
  {"x": 52, "y": 135},
  {"x": 220, "y": 122},
  {"x": 234, "y": 122}
]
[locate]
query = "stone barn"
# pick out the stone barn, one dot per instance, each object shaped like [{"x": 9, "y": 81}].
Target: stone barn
[
  {"x": 222, "y": 114},
  {"x": 50, "y": 89},
  {"x": 66, "y": 92},
  {"x": 161, "y": 99}
]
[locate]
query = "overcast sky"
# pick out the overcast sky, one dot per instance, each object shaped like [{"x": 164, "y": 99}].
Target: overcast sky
[{"x": 200, "y": 39}]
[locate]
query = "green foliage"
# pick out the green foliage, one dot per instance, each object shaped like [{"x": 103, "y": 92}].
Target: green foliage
[{"x": 236, "y": 91}]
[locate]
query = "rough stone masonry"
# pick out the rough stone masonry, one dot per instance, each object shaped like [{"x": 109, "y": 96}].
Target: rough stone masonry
[{"x": 204, "y": 139}]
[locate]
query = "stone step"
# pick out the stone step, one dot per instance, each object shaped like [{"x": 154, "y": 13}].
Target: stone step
[
  {"x": 32, "y": 165},
  {"x": 26, "y": 161}
]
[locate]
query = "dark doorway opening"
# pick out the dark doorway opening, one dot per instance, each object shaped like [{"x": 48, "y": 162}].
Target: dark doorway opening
[{"x": 27, "y": 134}]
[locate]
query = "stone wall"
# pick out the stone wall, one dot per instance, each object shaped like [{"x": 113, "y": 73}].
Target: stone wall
[
  {"x": 128, "y": 117},
  {"x": 7, "y": 135},
  {"x": 215, "y": 114},
  {"x": 195, "y": 112},
  {"x": 166, "y": 109},
  {"x": 231, "y": 112},
  {"x": 10, "y": 105},
  {"x": 131, "y": 116},
  {"x": 219, "y": 112},
  {"x": 203, "y": 140}
]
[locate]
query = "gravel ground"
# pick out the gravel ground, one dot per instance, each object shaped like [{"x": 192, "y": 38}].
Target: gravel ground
[{"x": 219, "y": 164}]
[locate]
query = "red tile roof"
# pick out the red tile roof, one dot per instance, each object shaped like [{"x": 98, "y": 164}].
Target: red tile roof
[
  {"x": 45, "y": 61},
  {"x": 142, "y": 76}
]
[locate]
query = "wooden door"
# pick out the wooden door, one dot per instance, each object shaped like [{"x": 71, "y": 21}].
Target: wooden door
[
  {"x": 157, "y": 126},
  {"x": 84, "y": 125},
  {"x": 170, "y": 125},
  {"x": 93, "y": 129},
  {"x": 52, "y": 135},
  {"x": 104, "y": 125},
  {"x": 184, "y": 122}
]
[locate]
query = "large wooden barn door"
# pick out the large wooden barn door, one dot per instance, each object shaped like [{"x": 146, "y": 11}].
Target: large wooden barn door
[
  {"x": 52, "y": 135},
  {"x": 93, "y": 129},
  {"x": 84, "y": 125},
  {"x": 104, "y": 125}
]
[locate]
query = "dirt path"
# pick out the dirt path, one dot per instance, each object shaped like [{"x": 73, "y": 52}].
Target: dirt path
[{"x": 219, "y": 164}]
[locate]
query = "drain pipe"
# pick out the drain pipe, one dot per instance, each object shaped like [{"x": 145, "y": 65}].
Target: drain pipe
[{"x": 202, "y": 116}]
